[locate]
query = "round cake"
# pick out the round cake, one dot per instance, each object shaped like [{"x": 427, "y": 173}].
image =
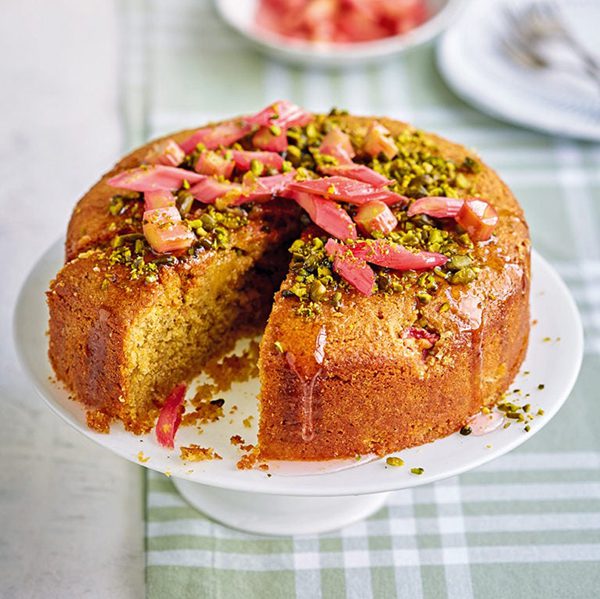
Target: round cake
[{"x": 388, "y": 269}]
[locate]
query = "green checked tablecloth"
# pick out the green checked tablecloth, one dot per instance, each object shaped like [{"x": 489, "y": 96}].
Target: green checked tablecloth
[{"x": 525, "y": 525}]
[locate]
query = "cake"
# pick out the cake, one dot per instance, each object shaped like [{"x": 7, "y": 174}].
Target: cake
[{"x": 388, "y": 269}]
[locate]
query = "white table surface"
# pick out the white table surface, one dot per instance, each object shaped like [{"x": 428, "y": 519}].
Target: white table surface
[{"x": 71, "y": 514}]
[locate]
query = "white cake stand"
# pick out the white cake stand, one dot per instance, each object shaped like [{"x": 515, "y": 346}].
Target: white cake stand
[{"x": 315, "y": 497}]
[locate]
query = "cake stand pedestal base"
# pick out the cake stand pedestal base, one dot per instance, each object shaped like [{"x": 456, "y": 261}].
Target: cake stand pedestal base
[{"x": 278, "y": 514}]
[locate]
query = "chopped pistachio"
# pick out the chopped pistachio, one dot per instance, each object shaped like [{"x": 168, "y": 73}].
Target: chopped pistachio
[
  {"x": 424, "y": 297},
  {"x": 336, "y": 299},
  {"x": 120, "y": 240},
  {"x": 458, "y": 261},
  {"x": 463, "y": 276},
  {"x": 461, "y": 181},
  {"x": 317, "y": 290},
  {"x": 470, "y": 165},
  {"x": 185, "y": 201},
  {"x": 311, "y": 131},
  {"x": 256, "y": 167},
  {"x": 294, "y": 155}
]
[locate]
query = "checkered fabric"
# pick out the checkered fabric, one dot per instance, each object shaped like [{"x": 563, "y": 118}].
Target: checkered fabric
[{"x": 525, "y": 525}]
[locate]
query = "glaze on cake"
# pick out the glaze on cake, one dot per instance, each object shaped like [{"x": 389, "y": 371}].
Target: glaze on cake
[{"x": 343, "y": 372}]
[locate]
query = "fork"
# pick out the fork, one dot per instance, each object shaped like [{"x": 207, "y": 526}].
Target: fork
[{"x": 540, "y": 21}]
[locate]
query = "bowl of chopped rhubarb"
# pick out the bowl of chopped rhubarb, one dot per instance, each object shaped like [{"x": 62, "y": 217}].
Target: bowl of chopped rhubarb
[{"x": 337, "y": 32}]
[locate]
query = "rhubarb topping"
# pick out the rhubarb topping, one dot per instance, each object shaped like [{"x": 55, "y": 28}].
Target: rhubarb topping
[
  {"x": 154, "y": 178},
  {"x": 396, "y": 257},
  {"x": 214, "y": 164},
  {"x": 252, "y": 189},
  {"x": 437, "y": 207},
  {"x": 244, "y": 160},
  {"x": 337, "y": 144},
  {"x": 354, "y": 270},
  {"x": 263, "y": 189},
  {"x": 165, "y": 231},
  {"x": 332, "y": 218},
  {"x": 166, "y": 152},
  {"x": 282, "y": 114},
  {"x": 372, "y": 230},
  {"x": 216, "y": 136},
  {"x": 169, "y": 417},
  {"x": 209, "y": 189},
  {"x": 476, "y": 216},
  {"x": 359, "y": 172},
  {"x": 271, "y": 139},
  {"x": 158, "y": 199},
  {"x": 375, "y": 216},
  {"x": 343, "y": 189},
  {"x": 379, "y": 141}
]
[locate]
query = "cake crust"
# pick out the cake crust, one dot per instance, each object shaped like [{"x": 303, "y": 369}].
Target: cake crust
[
  {"x": 375, "y": 392},
  {"x": 371, "y": 388},
  {"x": 97, "y": 310}
]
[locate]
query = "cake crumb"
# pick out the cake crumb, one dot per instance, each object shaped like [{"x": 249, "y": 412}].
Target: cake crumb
[
  {"x": 141, "y": 457},
  {"x": 98, "y": 421},
  {"x": 238, "y": 441},
  {"x": 234, "y": 369},
  {"x": 263, "y": 467},
  {"x": 168, "y": 473},
  {"x": 206, "y": 409},
  {"x": 195, "y": 453},
  {"x": 204, "y": 392},
  {"x": 247, "y": 422},
  {"x": 234, "y": 409},
  {"x": 248, "y": 460}
]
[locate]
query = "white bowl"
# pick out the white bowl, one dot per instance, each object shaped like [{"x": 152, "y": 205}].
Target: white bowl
[{"x": 240, "y": 16}]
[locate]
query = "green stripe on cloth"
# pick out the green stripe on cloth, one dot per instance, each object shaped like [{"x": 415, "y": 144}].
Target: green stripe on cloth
[{"x": 525, "y": 525}]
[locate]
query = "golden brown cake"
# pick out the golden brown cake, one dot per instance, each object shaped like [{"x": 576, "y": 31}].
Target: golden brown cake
[{"x": 345, "y": 369}]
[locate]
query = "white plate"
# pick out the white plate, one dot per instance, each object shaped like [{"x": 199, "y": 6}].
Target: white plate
[
  {"x": 240, "y": 16},
  {"x": 553, "y": 363},
  {"x": 474, "y": 64}
]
